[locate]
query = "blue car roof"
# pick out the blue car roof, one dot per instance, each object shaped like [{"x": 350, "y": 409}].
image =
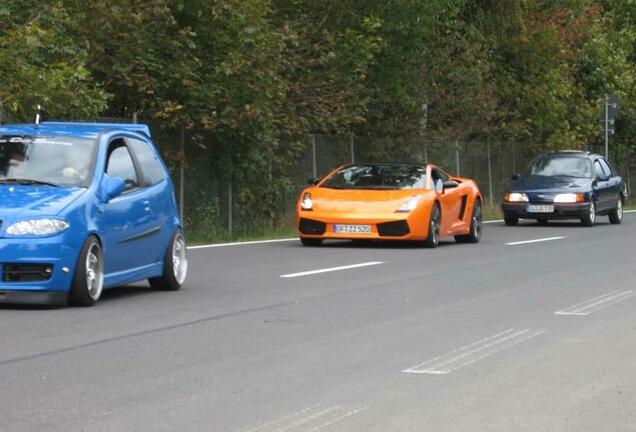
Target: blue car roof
[{"x": 88, "y": 130}]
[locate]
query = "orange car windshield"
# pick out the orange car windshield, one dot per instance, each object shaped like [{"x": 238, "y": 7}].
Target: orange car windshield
[{"x": 381, "y": 176}]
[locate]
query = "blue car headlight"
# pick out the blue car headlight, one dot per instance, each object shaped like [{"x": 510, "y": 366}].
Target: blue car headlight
[{"x": 37, "y": 227}]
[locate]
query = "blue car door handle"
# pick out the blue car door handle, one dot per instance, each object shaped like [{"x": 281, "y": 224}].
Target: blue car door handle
[{"x": 146, "y": 204}]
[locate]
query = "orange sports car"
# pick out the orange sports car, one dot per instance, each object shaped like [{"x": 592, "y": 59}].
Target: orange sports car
[{"x": 390, "y": 202}]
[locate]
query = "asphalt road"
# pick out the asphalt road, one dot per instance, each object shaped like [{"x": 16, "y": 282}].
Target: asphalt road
[{"x": 490, "y": 337}]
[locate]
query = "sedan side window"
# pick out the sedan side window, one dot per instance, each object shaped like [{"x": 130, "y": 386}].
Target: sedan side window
[
  {"x": 598, "y": 169},
  {"x": 606, "y": 166},
  {"x": 120, "y": 164}
]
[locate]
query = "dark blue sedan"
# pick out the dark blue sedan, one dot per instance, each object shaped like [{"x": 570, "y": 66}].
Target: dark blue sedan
[
  {"x": 566, "y": 185},
  {"x": 85, "y": 207}
]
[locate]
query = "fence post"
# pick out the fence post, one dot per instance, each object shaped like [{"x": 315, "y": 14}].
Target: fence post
[
  {"x": 134, "y": 117},
  {"x": 457, "y": 170},
  {"x": 313, "y": 155},
  {"x": 514, "y": 157},
  {"x": 1, "y": 113},
  {"x": 181, "y": 172},
  {"x": 229, "y": 208},
  {"x": 352, "y": 147},
  {"x": 425, "y": 151},
  {"x": 489, "y": 176}
]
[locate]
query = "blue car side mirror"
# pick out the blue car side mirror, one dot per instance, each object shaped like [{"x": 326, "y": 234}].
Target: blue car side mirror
[
  {"x": 516, "y": 176},
  {"x": 112, "y": 187}
]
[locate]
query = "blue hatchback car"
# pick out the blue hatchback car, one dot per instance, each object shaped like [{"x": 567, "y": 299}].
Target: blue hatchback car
[{"x": 83, "y": 207}]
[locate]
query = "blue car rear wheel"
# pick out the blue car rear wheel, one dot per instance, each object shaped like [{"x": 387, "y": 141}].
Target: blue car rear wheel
[{"x": 175, "y": 265}]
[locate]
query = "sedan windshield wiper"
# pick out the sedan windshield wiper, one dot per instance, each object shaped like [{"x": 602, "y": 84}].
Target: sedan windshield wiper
[{"x": 26, "y": 182}]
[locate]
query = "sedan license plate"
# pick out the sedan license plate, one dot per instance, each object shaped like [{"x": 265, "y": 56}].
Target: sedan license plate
[
  {"x": 355, "y": 229},
  {"x": 540, "y": 208}
]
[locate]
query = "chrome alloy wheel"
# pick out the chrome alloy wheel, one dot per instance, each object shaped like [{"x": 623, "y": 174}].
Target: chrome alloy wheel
[
  {"x": 94, "y": 272},
  {"x": 592, "y": 212},
  {"x": 179, "y": 260},
  {"x": 435, "y": 225},
  {"x": 619, "y": 209},
  {"x": 477, "y": 222}
]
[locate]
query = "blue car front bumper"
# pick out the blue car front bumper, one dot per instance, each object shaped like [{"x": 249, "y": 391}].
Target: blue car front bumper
[{"x": 38, "y": 270}]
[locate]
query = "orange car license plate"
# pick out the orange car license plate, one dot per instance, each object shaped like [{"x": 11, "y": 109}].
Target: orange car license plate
[{"x": 355, "y": 229}]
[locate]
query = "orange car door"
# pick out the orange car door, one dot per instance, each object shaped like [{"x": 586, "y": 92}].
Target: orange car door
[{"x": 450, "y": 200}]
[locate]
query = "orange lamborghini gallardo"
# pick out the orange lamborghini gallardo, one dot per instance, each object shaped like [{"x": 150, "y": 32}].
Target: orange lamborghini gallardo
[{"x": 390, "y": 202}]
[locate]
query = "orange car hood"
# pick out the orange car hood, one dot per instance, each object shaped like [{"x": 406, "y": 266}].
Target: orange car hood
[{"x": 361, "y": 201}]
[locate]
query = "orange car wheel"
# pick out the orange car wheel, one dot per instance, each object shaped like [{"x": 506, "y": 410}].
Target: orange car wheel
[
  {"x": 476, "y": 223},
  {"x": 432, "y": 240}
]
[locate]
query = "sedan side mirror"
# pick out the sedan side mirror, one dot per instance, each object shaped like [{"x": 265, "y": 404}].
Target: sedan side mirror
[
  {"x": 516, "y": 176},
  {"x": 111, "y": 187},
  {"x": 313, "y": 181}
]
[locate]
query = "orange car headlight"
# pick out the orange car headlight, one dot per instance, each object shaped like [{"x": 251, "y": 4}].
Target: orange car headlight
[
  {"x": 307, "y": 204},
  {"x": 409, "y": 205}
]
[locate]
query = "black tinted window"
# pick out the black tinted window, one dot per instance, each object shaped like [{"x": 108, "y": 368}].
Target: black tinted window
[
  {"x": 148, "y": 161},
  {"x": 378, "y": 177},
  {"x": 120, "y": 164}
]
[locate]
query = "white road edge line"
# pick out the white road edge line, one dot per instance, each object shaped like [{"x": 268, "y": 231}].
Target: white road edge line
[
  {"x": 535, "y": 241},
  {"x": 597, "y": 303},
  {"x": 254, "y": 242},
  {"x": 331, "y": 269},
  {"x": 214, "y": 245}
]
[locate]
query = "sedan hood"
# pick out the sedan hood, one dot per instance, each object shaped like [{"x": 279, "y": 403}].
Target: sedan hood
[
  {"x": 551, "y": 184},
  {"x": 32, "y": 201},
  {"x": 360, "y": 201}
]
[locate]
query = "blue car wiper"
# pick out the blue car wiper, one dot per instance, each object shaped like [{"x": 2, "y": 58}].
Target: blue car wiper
[{"x": 26, "y": 182}]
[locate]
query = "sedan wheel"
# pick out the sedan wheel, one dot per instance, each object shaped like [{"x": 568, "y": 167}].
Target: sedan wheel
[
  {"x": 616, "y": 215},
  {"x": 590, "y": 219}
]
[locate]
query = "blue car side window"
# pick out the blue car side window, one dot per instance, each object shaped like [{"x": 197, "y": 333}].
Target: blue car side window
[
  {"x": 148, "y": 161},
  {"x": 120, "y": 164}
]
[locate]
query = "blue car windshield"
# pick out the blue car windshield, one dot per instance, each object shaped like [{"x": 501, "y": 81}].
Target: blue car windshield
[
  {"x": 561, "y": 166},
  {"x": 57, "y": 161},
  {"x": 378, "y": 177}
]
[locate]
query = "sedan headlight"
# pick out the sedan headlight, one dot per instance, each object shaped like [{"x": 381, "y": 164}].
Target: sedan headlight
[
  {"x": 307, "y": 204},
  {"x": 38, "y": 227},
  {"x": 515, "y": 197},
  {"x": 569, "y": 198},
  {"x": 409, "y": 205}
]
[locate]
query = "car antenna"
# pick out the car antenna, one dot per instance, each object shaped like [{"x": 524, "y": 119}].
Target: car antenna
[{"x": 38, "y": 114}]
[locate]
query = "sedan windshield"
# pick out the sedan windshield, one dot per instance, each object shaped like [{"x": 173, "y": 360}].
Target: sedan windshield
[
  {"x": 378, "y": 177},
  {"x": 55, "y": 161},
  {"x": 561, "y": 166}
]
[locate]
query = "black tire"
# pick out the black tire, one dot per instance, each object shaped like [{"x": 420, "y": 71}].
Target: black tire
[
  {"x": 511, "y": 221},
  {"x": 306, "y": 241},
  {"x": 81, "y": 294},
  {"x": 616, "y": 215},
  {"x": 432, "y": 239},
  {"x": 590, "y": 219},
  {"x": 542, "y": 221},
  {"x": 172, "y": 280},
  {"x": 476, "y": 224}
]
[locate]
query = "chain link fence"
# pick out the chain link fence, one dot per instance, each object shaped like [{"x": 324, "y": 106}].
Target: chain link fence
[{"x": 217, "y": 203}]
